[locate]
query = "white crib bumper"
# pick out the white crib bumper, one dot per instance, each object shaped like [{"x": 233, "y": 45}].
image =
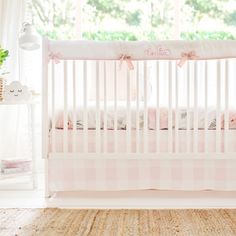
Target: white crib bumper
[{"x": 142, "y": 50}]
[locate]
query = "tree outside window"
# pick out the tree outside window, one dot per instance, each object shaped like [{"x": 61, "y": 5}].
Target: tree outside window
[{"x": 135, "y": 20}]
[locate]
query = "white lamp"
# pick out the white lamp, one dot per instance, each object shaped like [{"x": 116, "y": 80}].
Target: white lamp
[{"x": 28, "y": 40}]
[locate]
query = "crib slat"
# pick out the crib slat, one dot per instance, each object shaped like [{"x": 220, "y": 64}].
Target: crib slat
[
  {"x": 188, "y": 108},
  {"x": 195, "y": 128},
  {"x": 53, "y": 106},
  {"x": 226, "y": 115},
  {"x": 98, "y": 131},
  {"x": 45, "y": 114},
  {"x": 105, "y": 108},
  {"x": 177, "y": 71},
  {"x": 170, "y": 125},
  {"x": 145, "y": 116},
  {"x": 45, "y": 108},
  {"x": 65, "y": 125},
  {"x": 218, "y": 118},
  {"x": 157, "y": 108},
  {"x": 74, "y": 106},
  {"x": 85, "y": 110},
  {"x": 206, "y": 109},
  {"x": 137, "y": 110},
  {"x": 128, "y": 127},
  {"x": 115, "y": 107}
]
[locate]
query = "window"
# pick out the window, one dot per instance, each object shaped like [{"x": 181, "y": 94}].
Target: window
[{"x": 135, "y": 20}]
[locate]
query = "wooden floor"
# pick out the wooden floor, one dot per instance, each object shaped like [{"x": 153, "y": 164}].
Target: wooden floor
[{"x": 68, "y": 222}]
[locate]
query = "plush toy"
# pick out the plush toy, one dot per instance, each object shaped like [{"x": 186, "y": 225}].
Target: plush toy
[{"x": 15, "y": 91}]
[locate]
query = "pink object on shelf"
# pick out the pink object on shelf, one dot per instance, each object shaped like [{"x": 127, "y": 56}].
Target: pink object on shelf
[{"x": 15, "y": 166}]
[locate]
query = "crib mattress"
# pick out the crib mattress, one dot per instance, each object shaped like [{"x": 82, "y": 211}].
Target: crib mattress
[
  {"x": 109, "y": 137},
  {"x": 121, "y": 115}
]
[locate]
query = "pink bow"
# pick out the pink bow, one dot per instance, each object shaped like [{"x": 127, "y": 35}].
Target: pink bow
[
  {"x": 187, "y": 56},
  {"x": 128, "y": 61},
  {"x": 54, "y": 57}
]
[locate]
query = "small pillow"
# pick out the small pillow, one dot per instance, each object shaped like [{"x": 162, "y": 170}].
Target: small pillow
[{"x": 15, "y": 91}]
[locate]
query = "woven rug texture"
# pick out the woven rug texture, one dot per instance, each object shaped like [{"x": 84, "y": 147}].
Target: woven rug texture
[{"x": 73, "y": 222}]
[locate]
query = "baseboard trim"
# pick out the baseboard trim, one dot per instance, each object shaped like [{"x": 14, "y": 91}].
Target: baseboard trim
[{"x": 144, "y": 200}]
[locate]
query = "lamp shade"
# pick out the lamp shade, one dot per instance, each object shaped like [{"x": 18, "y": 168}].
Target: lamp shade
[{"x": 28, "y": 40}]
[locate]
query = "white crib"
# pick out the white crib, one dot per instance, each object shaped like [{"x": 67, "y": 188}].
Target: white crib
[{"x": 139, "y": 115}]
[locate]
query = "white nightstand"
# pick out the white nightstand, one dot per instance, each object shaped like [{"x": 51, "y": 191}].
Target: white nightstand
[{"x": 31, "y": 105}]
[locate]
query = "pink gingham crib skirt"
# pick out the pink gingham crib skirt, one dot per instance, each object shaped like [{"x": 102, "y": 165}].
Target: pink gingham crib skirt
[{"x": 122, "y": 174}]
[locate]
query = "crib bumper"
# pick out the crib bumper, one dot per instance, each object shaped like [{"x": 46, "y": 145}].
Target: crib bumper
[{"x": 142, "y": 50}]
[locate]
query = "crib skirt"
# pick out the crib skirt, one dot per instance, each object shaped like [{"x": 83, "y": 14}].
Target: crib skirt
[{"x": 114, "y": 175}]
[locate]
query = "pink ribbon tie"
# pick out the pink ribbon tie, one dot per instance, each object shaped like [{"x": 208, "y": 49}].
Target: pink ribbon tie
[
  {"x": 187, "y": 56},
  {"x": 128, "y": 61},
  {"x": 54, "y": 57}
]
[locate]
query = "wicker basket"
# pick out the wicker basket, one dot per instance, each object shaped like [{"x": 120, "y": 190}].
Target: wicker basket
[{"x": 2, "y": 84}]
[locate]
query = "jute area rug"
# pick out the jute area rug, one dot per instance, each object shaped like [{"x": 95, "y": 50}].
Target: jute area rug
[{"x": 50, "y": 222}]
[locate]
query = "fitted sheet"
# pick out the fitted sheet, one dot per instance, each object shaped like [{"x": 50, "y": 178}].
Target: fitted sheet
[{"x": 122, "y": 119}]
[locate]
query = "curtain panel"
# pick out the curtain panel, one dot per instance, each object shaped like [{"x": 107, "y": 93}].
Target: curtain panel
[{"x": 14, "y": 138}]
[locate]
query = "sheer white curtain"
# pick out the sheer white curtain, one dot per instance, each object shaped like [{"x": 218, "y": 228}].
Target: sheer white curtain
[
  {"x": 14, "y": 137},
  {"x": 11, "y": 17}
]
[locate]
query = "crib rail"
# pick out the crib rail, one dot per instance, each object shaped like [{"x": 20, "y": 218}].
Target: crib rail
[
  {"x": 141, "y": 50},
  {"x": 158, "y": 108}
]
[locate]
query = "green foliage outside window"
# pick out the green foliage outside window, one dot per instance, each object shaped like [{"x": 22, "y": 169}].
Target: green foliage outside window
[
  {"x": 127, "y": 36},
  {"x": 135, "y": 20},
  {"x": 231, "y": 19},
  {"x": 208, "y": 35}
]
